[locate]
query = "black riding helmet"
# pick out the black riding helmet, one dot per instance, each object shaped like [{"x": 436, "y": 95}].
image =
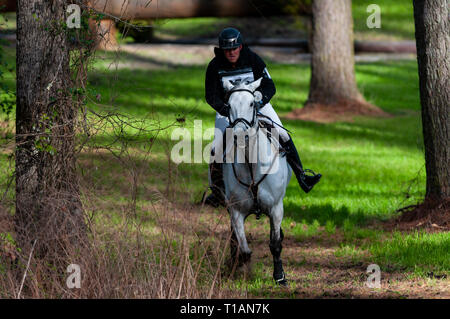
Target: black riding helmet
[{"x": 230, "y": 38}]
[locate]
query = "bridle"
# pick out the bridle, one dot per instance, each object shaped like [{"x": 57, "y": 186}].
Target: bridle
[
  {"x": 241, "y": 119},
  {"x": 255, "y": 113},
  {"x": 253, "y": 186}
]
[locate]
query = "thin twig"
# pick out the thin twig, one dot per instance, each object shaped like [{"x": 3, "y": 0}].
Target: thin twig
[{"x": 26, "y": 270}]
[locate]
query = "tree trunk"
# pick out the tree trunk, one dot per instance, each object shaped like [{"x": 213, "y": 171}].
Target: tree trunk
[
  {"x": 433, "y": 43},
  {"x": 48, "y": 207},
  {"x": 332, "y": 65}
]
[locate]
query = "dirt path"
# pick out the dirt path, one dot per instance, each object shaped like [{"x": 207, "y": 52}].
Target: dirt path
[
  {"x": 316, "y": 269},
  {"x": 317, "y": 272}
]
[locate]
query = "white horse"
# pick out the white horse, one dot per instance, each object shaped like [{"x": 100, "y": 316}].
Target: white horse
[{"x": 251, "y": 187}]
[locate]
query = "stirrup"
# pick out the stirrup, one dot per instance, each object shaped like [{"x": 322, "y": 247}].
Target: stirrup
[
  {"x": 307, "y": 170},
  {"x": 307, "y": 182}
]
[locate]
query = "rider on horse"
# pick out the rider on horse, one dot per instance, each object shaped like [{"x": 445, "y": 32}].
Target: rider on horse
[{"x": 235, "y": 62}]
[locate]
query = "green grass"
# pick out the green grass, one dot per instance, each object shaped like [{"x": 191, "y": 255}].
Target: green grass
[
  {"x": 189, "y": 27},
  {"x": 420, "y": 252},
  {"x": 7, "y": 121},
  {"x": 8, "y": 68},
  {"x": 8, "y": 21}
]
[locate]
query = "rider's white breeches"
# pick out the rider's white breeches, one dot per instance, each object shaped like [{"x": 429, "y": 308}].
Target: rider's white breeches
[{"x": 222, "y": 123}]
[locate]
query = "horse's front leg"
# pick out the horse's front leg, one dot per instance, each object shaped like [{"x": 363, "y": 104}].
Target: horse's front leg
[
  {"x": 239, "y": 248},
  {"x": 276, "y": 238}
]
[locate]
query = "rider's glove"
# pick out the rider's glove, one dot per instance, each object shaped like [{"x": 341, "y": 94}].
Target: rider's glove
[
  {"x": 258, "y": 100},
  {"x": 259, "y": 105}
]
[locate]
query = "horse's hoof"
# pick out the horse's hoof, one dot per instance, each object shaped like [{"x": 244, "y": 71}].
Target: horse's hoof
[
  {"x": 245, "y": 258},
  {"x": 211, "y": 200},
  {"x": 240, "y": 259},
  {"x": 281, "y": 281}
]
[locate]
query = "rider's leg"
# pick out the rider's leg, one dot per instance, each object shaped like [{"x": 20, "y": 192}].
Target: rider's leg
[
  {"x": 306, "y": 182},
  {"x": 216, "y": 183},
  {"x": 268, "y": 111}
]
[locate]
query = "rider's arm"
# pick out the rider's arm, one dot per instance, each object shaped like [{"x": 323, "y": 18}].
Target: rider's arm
[
  {"x": 214, "y": 90},
  {"x": 267, "y": 87}
]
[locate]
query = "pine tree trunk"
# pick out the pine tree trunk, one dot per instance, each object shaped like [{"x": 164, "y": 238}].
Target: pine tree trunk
[
  {"x": 433, "y": 44},
  {"x": 47, "y": 195},
  {"x": 332, "y": 65}
]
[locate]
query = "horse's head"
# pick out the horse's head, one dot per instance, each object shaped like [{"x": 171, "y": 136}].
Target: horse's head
[{"x": 243, "y": 110}]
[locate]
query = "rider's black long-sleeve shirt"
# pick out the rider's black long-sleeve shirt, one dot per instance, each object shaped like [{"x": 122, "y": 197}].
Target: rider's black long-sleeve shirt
[{"x": 219, "y": 66}]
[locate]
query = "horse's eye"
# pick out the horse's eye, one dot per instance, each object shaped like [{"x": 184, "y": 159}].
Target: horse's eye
[{"x": 251, "y": 104}]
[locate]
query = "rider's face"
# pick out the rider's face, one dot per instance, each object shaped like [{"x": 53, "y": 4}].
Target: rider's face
[{"x": 232, "y": 55}]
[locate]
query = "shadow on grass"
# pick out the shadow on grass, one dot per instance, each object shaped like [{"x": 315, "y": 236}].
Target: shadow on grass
[
  {"x": 386, "y": 131},
  {"x": 131, "y": 57},
  {"x": 325, "y": 213}
]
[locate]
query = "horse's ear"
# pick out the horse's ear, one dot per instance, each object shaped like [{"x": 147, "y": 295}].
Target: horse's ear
[
  {"x": 227, "y": 85},
  {"x": 254, "y": 85}
]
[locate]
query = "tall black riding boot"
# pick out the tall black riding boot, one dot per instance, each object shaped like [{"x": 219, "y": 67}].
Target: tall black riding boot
[
  {"x": 306, "y": 182},
  {"x": 216, "y": 198}
]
